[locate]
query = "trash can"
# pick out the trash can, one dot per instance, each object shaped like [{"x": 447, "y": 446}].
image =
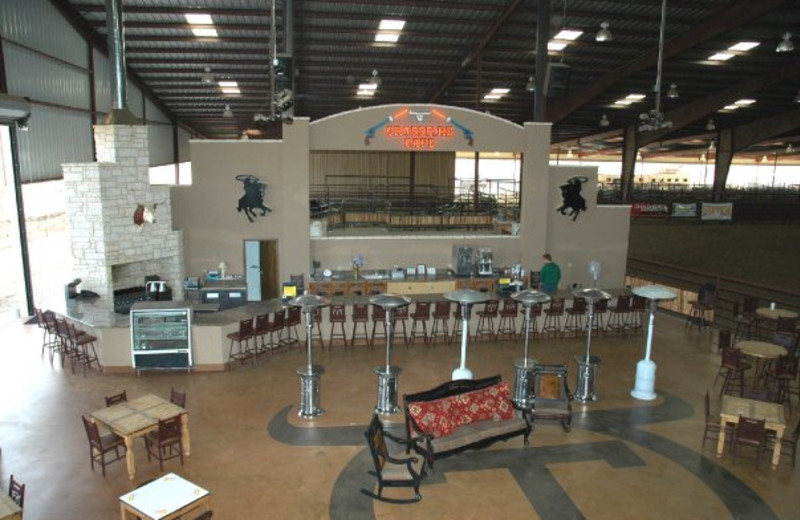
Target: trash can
[{"x": 587, "y": 374}]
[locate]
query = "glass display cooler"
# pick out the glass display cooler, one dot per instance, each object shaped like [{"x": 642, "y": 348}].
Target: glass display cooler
[{"x": 161, "y": 336}]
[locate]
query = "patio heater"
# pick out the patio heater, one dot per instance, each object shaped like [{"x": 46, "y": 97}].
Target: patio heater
[
  {"x": 465, "y": 298},
  {"x": 587, "y": 365},
  {"x": 388, "y": 374},
  {"x": 523, "y": 387},
  {"x": 310, "y": 374},
  {"x": 646, "y": 369}
]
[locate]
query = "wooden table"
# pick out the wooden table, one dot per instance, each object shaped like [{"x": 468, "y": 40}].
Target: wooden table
[
  {"x": 760, "y": 350},
  {"x": 733, "y": 407},
  {"x": 165, "y": 498},
  {"x": 9, "y": 510},
  {"x": 135, "y": 418},
  {"x": 774, "y": 314}
]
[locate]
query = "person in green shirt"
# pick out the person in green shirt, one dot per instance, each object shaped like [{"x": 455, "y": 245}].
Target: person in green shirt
[{"x": 550, "y": 274}]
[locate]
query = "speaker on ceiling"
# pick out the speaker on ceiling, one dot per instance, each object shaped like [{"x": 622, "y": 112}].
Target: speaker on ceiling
[{"x": 556, "y": 81}]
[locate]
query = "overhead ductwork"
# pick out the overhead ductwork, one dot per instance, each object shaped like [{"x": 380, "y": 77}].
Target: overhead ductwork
[{"x": 119, "y": 115}]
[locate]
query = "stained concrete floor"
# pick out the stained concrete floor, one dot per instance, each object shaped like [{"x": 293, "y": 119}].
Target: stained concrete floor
[{"x": 623, "y": 459}]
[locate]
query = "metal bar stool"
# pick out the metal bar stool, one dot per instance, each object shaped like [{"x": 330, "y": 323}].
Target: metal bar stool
[
  {"x": 360, "y": 316},
  {"x": 421, "y": 315},
  {"x": 574, "y": 323},
  {"x": 486, "y": 320},
  {"x": 552, "y": 318},
  {"x": 508, "y": 319},
  {"x": 618, "y": 321},
  {"x": 83, "y": 345},
  {"x": 338, "y": 318},
  {"x": 240, "y": 339},
  {"x": 378, "y": 319},
  {"x": 441, "y": 315}
]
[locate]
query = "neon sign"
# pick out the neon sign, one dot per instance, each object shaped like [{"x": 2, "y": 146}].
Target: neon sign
[{"x": 422, "y": 135}]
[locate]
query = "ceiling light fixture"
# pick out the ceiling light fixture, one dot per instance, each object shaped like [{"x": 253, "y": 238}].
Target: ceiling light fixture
[
  {"x": 569, "y": 153},
  {"x": 710, "y": 126},
  {"x": 531, "y": 86},
  {"x": 206, "y": 77},
  {"x": 604, "y": 122},
  {"x": 654, "y": 119},
  {"x": 785, "y": 44},
  {"x": 375, "y": 79},
  {"x": 604, "y": 35},
  {"x": 227, "y": 113},
  {"x": 711, "y": 146},
  {"x": 703, "y": 157},
  {"x": 672, "y": 93},
  {"x": 789, "y": 148}
]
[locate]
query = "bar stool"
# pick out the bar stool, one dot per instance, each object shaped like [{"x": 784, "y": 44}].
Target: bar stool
[
  {"x": 508, "y": 319},
  {"x": 54, "y": 342},
  {"x": 638, "y": 306},
  {"x": 600, "y": 311},
  {"x": 732, "y": 368},
  {"x": 378, "y": 319},
  {"x": 533, "y": 326},
  {"x": 421, "y": 315},
  {"x": 67, "y": 349},
  {"x": 49, "y": 340},
  {"x": 360, "y": 316},
  {"x": 441, "y": 315},
  {"x": 276, "y": 326},
  {"x": 338, "y": 318},
  {"x": 575, "y": 315},
  {"x": 618, "y": 321},
  {"x": 241, "y": 339},
  {"x": 260, "y": 333},
  {"x": 552, "y": 318},
  {"x": 702, "y": 311},
  {"x": 293, "y": 320},
  {"x": 486, "y": 320},
  {"x": 83, "y": 345},
  {"x": 400, "y": 317},
  {"x": 456, "y": 324}
]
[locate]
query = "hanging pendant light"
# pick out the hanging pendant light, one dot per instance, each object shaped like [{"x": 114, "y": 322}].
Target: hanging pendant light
[
  {"x": 604, "y": 35},
  {"x": 785, "y": 44},
  {"x": 654, "y": 119}
]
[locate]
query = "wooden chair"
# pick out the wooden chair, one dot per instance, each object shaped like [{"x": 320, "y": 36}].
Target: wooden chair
[
  {"x": 533, "y": 327},
  {"x": 277, "y": 325},
  {"x": 788, "y": 442},
  {"x": 360, "y": 316},
  {"x": 261, "y": 333},
  {"x": 638, "y": 308},
  {"x": 600, "y": 311},
  {"x": 121, "y": 397},
  {"x": 378, "y": 320},
  {"x": 102, "y": 445},
  {"x": 732, "y": 368},
  {"x": 82, "y": 346},
  {"x": 457, "y": 324},
  {"x": 49, "y": 337},
  {"x": 177, "y": 398},
  {"x": 392, "y": 471},
  {"x": 508, "y": 319},
  {"x": 294, "y": 319},
  {"x": 316, "y": 329},
  {"x": 750, "y": 432},
  {"x": 575, "y": 314},
  {"x": 551, "y": 395},
  {"x": 420, "y": 316},
  {"x": 16, "y": 492},
  {"x": 746, "y": 319},
  {"x": 400, "y": 317},
  {"x": 441, "y": 315},
  {"x": 166, "y": 442},
  {"x": 713, "y": 425},
  {"x": 724, "y": 340}
]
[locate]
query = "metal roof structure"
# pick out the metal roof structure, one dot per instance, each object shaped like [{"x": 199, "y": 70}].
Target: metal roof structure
[{"x": 453, "y": 52}]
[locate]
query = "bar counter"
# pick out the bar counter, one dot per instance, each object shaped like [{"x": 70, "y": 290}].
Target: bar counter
[{"x": 210, "y": 346}]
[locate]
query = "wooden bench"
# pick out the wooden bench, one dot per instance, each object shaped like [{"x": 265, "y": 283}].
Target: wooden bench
[{"x": 462, "y": 415}]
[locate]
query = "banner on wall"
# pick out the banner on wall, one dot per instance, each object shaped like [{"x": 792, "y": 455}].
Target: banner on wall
[
  {"x": 716, "y": 211},
  {"x": 683, "y": 210},
  {"x": 649, "y": 209}
]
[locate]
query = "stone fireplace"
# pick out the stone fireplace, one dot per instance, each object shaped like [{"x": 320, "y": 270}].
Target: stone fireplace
[{"x": 110, "y": 251}]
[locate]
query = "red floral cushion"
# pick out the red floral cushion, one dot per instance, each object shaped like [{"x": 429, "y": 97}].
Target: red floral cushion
[{"x": 433, "y": 417}]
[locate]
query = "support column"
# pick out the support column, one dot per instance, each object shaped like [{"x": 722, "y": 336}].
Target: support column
[
  {"x": 722, "y": 163},
  {"x": 542, "y": 36},
  {"x": 629, "y": 149}
]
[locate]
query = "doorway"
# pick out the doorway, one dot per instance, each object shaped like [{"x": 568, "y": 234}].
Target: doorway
[{"x": 261, "y": 269}]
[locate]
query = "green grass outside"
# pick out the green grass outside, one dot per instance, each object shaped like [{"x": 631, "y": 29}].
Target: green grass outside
[{"x": 765, "y": 254}]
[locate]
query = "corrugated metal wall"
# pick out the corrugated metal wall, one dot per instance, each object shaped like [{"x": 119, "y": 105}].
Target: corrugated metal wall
[{"x": 47, "y": 61}]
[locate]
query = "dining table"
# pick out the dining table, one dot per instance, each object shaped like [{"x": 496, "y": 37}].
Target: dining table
[
  {"x": 761, "y": 351},
  {"x": 772, "y": 413},
  {"x": 9, "y": 510},
  {"x": 165, "y": 498},
  {"x": 773, "y": 314},
  {"x": 138, "y": 417}
]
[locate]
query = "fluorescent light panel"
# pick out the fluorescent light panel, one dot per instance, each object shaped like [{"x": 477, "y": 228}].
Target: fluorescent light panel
[
  {"x": 744, "y": 46},
  {"x": 389, "y": 31},
  {"x": 198, "y": 19},
  {"x": 629, "y": 100},
  {"x": 387, "y": 37},
  {"x": 568, "y": 34},
  {"x": 367, "y": 86},
  {"x": 205, "y": 33},
  {"x": 721, "y": 56},
  {"x": 391, "y": 25},
  {"x": 228, "y": 84},
  {"x": 556, "y": 46},
  {"x": 361, "y": 92}
]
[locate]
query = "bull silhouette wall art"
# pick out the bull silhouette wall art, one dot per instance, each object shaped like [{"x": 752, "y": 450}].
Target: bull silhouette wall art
[
  {"x": 253, "y": 198},
  {"x": 572, "y": 203}
]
